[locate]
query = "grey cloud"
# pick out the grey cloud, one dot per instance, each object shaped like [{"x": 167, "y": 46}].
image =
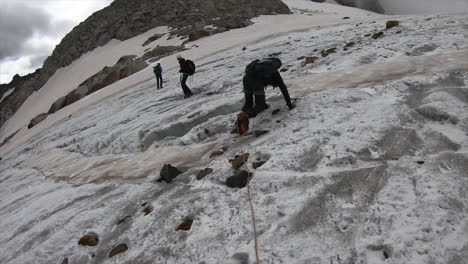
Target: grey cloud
[
  {"x": 37, "y": 61},
  {"x": 18, "y": 23}
]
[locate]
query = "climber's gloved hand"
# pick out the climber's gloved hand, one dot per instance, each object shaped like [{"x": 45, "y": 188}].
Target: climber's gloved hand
[{"x": 291, "y": 106}]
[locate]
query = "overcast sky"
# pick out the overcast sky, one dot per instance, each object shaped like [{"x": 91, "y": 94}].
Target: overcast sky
[{"x": 30, "y": 29}]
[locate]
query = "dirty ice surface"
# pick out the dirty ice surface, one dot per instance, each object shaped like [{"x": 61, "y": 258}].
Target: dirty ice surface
[{"x": 373, "y": 171}]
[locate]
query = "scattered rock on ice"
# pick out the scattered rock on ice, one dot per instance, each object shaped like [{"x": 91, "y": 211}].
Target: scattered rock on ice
[
  {"x": 239, "y": 160},
  {"x": 239, "y": 180},
  {"x": 257, "y": 164},
  {"x": 203, "y": 173},
  {"x": 325, "y": 53},
  {"x": 148, "y": 209},
  {"x": 377, "y": 35},
  {"x": 392, "y": 23},
  {"x": 276, "y": 111},
  {"x": 123, "y": 220},
  {"x": 310, "y": 59},
  {"x": 349, "y": 45},
  {"x": 240, "y": 258},
  {"x": 118, "y": 249},
  {"x": 169, "y": 173},
  {"x": 89, "y": 239},
  {"x": 185, "y": 225}
]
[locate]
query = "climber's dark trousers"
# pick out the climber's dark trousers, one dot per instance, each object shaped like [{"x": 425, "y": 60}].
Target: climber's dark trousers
[
  {"x": 185, "y": 88},
  {"x": 260, "y": 103},
  {"x": 159, "y": 81}
]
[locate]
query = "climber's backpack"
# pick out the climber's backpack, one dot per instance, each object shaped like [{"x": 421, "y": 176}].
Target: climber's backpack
[
  {"x": 241, "y": 126},
  {"x": 263, "y": 68},
  {"x": 190, "y": 67}
]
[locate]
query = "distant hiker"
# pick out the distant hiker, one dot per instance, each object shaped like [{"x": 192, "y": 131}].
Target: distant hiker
[
  {"x": 258, "y": 75},
  {"x": 158, "y": 72},
  {"x": 187, "y": 67}
]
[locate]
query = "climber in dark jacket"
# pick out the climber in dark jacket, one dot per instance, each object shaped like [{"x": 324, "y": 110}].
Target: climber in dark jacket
[
  {"x": 184, "y": 74},
  {"x": 258, "y": 75},
  {"x": 158, "y": 72}
]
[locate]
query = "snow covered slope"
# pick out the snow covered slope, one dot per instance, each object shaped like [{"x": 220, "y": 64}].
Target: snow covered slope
[{"x": 369, "y": 168}]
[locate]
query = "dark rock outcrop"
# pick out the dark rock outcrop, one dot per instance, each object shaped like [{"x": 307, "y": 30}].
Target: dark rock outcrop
[
  {"x": 377, "y": 35},
  {"x": 203, "y": 173},
  {"x": 311, "y": 59},
  {"x": 186, "y": 225},
  {"x": 239, "y": 180},
  {"x": 257, "y": 164},
  {"x": 391, "y": 23},
  {"x": 239, "y": 160},
  {"x": 39, "y": 118},
  {"x": 152, "y": 38},
  {"x": 89, "y": 240},
  {"x": 118, "y": 249},
  {"x": 169, "y": 173},
  {"x": 125, "y": 66},
  {"x": 161, "y": 51}
]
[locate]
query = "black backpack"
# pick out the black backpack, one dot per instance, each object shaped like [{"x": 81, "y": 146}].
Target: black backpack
[
  {"x": 190, "y": 67},
  {"x": 263, "y": 68}
]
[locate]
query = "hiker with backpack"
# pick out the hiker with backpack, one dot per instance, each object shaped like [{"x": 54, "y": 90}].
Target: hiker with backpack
[
  {"x": 158, "y": 72},
  {"x": 258, "y": 75},
  {"x": 187, "y": 68}
]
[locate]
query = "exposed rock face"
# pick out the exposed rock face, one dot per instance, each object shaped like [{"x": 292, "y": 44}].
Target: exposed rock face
[
  {"x": 24, "y": 86},
  {"x": 126, "y": 66},
  {"x": 371, "y": 5},
  {"x": 161, "y": 51},
  {"x": 37, "y": 120},
  {"x": 124, "y": 19}
]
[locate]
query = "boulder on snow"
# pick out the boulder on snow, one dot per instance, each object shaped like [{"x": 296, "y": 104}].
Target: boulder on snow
[
  {"x": 89, "y": 239},
  {"x": 216, "y": 153},
  {"x": 239, "y": 160},
  {"x": 118, "y": 249},
  {"x": 310, "y": 59},
  {"x": 276, "y": 111},
  {"x": 202, "y": 174},
  {"x": 377, "y": 35},
  {"x": 391, "y": 23},
  {"x": 325, "y": 53},
  {"x": 349, "y": 45},
  {"x": 148, "y": 209},
  {"x": 239, "y": 180},
  {"x": 257, "y": 164},
  {"x": 185, "y": 225},
  {"x": 37, "y": 120},
  {"x": 123, "y": 220},
  {"x": 169, "y": 172}
]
